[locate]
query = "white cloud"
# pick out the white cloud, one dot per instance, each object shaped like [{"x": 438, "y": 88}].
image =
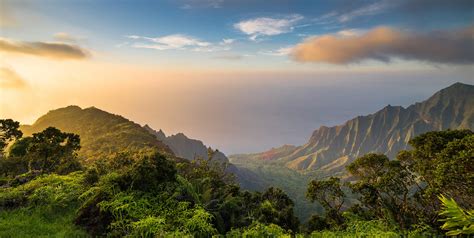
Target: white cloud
[
  {"x": 371, "y": 9},
  {"x": 279, "y": 52},
  {"x": 179, "y": 42},
  {"x": 227, "y": 41},
  {"x": 350, "y": 32},
  {"x": 266, "y": 26},
  {"x": 169, "y": 42}
]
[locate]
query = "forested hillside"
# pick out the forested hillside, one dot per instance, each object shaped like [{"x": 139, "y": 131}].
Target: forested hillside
[
  {"x": 102, "y": 133},
  {"x": 47, "y": 190}
]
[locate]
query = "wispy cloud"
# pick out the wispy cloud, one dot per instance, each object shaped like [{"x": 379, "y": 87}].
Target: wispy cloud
[
  {"x": 227, "y": 41},
  {"x": 44, "y": 49},
  {"x": 341, "y": 17},
  {"x": 283, "y": 51},
  {"x": 368, "y": 10},
  {"x": 179, "y": 42},
  {"x": 66, "y": 37},
  {"x": 266, "y": 26},
  {"x": 9, "y": 79},
  {"x": 190, "y": 4},
  {"x": 383, "y": 44}
]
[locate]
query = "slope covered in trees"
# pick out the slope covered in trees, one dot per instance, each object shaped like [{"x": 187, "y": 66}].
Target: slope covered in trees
[
  {"x": 424, "y": 192},
  {"x": 102, "y": 133}
]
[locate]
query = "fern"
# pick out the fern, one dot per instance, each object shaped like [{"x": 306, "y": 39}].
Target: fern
[{"x": 457, "y": 221}]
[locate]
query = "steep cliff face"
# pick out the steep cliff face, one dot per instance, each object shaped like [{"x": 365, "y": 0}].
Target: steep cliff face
[
  {"x": 184, "y": 147},
  {"x": 386, "y": 131}
]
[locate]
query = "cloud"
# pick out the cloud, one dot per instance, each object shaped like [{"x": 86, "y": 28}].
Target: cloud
[
  {"x": 350, "y": 32},
  {"x": 9, "y": 79},
  {"x": 227, "y": 41},
  {"x": 383, "y": 44},
  {"x": 265, "y": 26},
  {"x": 190, "y": 4},
  {"x": 65, "y": 37},
  {"x": 410, "y": 10},
  {"x": 44, "y": 49},
  {"x": 346, "y": 15},
  {"x": 279, "y": 52},
  {"x": 180, "y": 42},
  {"x": 368, "y": 10},
  {"x": 168, "y": 42}
]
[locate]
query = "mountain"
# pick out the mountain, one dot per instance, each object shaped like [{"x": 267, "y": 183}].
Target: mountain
[
  {"x": 387, "y": 131},
  {"x": 102, "y": 133},
  {"x": 184, "y": 147}
]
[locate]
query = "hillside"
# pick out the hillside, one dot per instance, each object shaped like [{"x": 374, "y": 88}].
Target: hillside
[
  {"x": 386, "y": 131},
  {"x": 102, "y": 133}
]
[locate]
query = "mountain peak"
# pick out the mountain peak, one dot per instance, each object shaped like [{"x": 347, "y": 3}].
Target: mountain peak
[{"x": 458, "y": 89}]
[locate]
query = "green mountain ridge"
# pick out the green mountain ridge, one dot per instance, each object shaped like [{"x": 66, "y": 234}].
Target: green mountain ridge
[{"x": 102, "y": 133}]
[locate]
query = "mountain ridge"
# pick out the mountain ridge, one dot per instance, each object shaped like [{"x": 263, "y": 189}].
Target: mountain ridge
[
  {"x": 185, "y": 147},
  {"x": 385, "y": 131},
  {"x": 102, "y": 133}
]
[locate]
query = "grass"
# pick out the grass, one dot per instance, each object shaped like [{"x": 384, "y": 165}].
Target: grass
[{"x": 39, "y": 222}]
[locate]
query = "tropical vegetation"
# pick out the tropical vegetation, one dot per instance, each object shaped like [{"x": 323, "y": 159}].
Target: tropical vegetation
[{"x": 48, "y": 189}]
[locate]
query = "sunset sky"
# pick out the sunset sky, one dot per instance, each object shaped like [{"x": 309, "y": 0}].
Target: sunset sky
[{"x": 241, "y": 75}]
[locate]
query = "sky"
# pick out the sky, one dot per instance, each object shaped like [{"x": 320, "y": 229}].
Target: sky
[{"x": 241, "y": 75}]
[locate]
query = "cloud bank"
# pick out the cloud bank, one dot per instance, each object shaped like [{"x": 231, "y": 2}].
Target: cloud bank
[
  {"x": 43, "y": 49},
  {"x": 384, "y": 43},
  {"x": 265, "y": 26}
]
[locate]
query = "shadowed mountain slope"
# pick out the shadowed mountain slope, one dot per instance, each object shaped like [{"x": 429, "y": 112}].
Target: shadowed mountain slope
[{"x": 184, "y": 147}]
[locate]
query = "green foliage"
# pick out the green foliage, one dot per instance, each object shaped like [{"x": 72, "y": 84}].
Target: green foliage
[
  {"x": 9, "y": 131},
  {"x": 39, "y": 222},
  {"x": 277, "y": 208},
  {"x": 288, "y": 180},
  {"x": 56, "y": 191},
  {"x": 259, "y": 230},
  {"x": 330, "y": 195},
  {"x": 457, "y": 221},
  {"x": 442, "y": 162},
  {"x": 146, "y": 193},
  {"x": 53, "y": 150},
  {"x": 384, "y": 187},
  {"x": 43, "y": 207}
]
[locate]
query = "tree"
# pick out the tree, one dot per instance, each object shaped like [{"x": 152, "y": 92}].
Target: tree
[
  {"x": 54, "y": 151},
  {"x": 9, "y": 130},
  {"x": 443, "y": 162},
  {"x": 277, "y": 208},
  {"x": 148, "y": 172},
  {"x": 330, "y": 195},
  {"x": 384, "y": 186}
]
